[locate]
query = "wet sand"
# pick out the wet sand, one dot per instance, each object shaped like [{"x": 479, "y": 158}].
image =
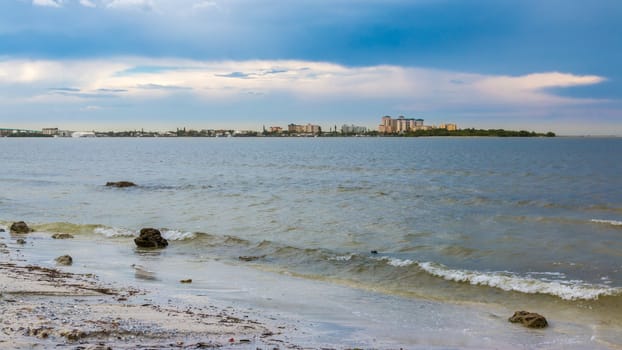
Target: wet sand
[{"x": 47, "y": 308}]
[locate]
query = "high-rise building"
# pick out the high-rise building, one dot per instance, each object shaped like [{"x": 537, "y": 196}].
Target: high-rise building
[{"x": 400, "y": 125}]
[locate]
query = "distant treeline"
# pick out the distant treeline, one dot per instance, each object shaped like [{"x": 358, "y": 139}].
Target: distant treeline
[
  {"x": 479, "y": 132},
  {"x": 417, "y": 133},
  {"x": 27, "y": 134}
]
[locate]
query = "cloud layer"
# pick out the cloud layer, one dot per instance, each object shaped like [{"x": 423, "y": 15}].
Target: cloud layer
[{"x": 141, "y": 80}]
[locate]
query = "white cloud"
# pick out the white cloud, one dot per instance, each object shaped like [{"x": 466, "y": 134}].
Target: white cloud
[
  {"x": 146, "y": 5},
  {"x": 87, "y": 3},
  {"x": 204, "y": 4},
  {"x": 48, "y": 3},
  {"x": 427, "y": 89}
]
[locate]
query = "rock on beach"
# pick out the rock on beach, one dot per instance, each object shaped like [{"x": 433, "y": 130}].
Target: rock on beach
[
  {"x": 64, "y": 260},
  {"x": 20, "y": 227},
  {"x": 529, "y": 319},
  {"x": 120, "y": 184},
  {"x": 62, "y": 236},
  {"x": 150, "y": 238}
]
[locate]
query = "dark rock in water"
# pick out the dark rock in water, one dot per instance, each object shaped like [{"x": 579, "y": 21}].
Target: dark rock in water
[
  {"x": 189, "y": 280},
  {"x": 120, "y": 184},
  {"x": 61, "y": 236},
  {"x": 250, "y": 258},
  {"x": 21, "y": 241},
  {"x": 2, "y": 230},
  {"x": 20, "y": 227},
  {"x": 374, "y": 252},
  {"x": 529, "y": 319},
  {"x": 64, "y": 260},
  {"x": 150, "y": 238}
]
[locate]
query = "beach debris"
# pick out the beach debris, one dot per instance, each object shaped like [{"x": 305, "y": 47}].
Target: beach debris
[
  {"x": 143, "y": 273},
  {"x": 150, "y": 238},
  {"x": 189, "y": 280},
  {"x": 120, "y": 184},
  {"x": 250, "y": 257},
  {"x": 73, "y": 334},
  {"x": 529, "y": 319},
  {"x": 20, "y": 227},
  {"x": 40, "y": 333},
  {"x": 20, "y": 241},
  {"x": 62, "y": 236},
  {"x": 64, "y": 260}
]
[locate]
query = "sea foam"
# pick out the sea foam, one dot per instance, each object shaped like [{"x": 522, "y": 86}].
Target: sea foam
[
  {"x": 608, "y": 222},
  {"x": 341, "y": 257},
  {"x": 567, "y": 290},
  {"x": 114, "y": 232},
  {"x": 397, "y": 262},
  {"x": 174, "y": 235}
]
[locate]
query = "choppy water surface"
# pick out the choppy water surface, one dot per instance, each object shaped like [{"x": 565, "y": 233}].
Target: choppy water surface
[{"x": 454, "y": 219}]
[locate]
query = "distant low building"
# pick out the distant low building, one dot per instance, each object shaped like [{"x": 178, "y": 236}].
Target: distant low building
[
  {"x": 304, "y": 129},
  {"x": 448, "y": 127},
  {"x": 49, "y": 131},
  {"x": 353, "y": 129},
  {"x": 83, "y": 134},
  {"x": 400, "y": 125},
  {"x": 276, "y": 129}
]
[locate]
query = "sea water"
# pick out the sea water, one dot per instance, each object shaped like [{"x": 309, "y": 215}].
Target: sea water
[{"x": 493, "y": 223}]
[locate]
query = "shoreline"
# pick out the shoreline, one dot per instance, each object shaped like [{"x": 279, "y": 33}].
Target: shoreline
[
  {"x": 67, "y": 307},
  {"x": 47, "y": 307}
]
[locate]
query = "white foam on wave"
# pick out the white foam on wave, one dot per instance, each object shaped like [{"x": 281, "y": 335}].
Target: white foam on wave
[
  {"x": 397, "y": 262},
  {"x": 341, "y": 257},
  {"x": 567, "y": 290},
  {"x": 115, "y": 232},
  {"x": 608, "y": 222},
  {"x": 174, "y": 235}
]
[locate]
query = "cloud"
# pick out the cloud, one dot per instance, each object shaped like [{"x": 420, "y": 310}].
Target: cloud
[
  {"x": 48, "y": 3},
  {"x": 87, "y": 3},
  {"x": 66, "y": 89},
  {"x": 146, "y": 5},
  {"x": 239, "y": 75},
  {"x": 419, "y": 89},
  {"x": 204, "y": 4},
  {"x": 162, "y": 87}
]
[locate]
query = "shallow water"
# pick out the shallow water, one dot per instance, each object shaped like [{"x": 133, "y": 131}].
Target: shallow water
[{"x": 509, "y": 222}]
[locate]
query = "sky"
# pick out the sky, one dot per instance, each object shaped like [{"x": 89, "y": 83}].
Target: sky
[{"x": 542, "y": 65}]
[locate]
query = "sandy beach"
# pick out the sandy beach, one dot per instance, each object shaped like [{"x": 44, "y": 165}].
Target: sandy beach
[{"x": 45, "y": 307}]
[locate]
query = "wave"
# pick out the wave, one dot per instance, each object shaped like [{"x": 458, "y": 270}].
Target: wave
[
  {"x": 174, "y": 235},
  {"x": 608, "y": 222},
  {"x": 115, "y": 232},
  {"x": 507, "y": 281},
  {"x": 171, "y": 235},
  {"x": 398, "y": 262},
  {"x": 362, "y": 266}
]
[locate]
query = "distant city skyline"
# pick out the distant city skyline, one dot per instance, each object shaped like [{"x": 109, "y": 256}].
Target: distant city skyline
[{"x": 547, "y": 65}]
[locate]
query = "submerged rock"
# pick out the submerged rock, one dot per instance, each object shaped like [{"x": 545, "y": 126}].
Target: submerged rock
[
  {"x": 2, "y": 230},
  {"x": 61, "y": 236},
  {"x": 250, "y": 257},
  {"x": 21, "y": 241},
  {"x": 150, "y": 238},
  {"x": 64, "y": 260},
  {"x": 120, "y": 184},
  {"x": 529, "y": 319},
  {"x": 189, "y": 280},
  {"x": 20, "y": 227}
]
